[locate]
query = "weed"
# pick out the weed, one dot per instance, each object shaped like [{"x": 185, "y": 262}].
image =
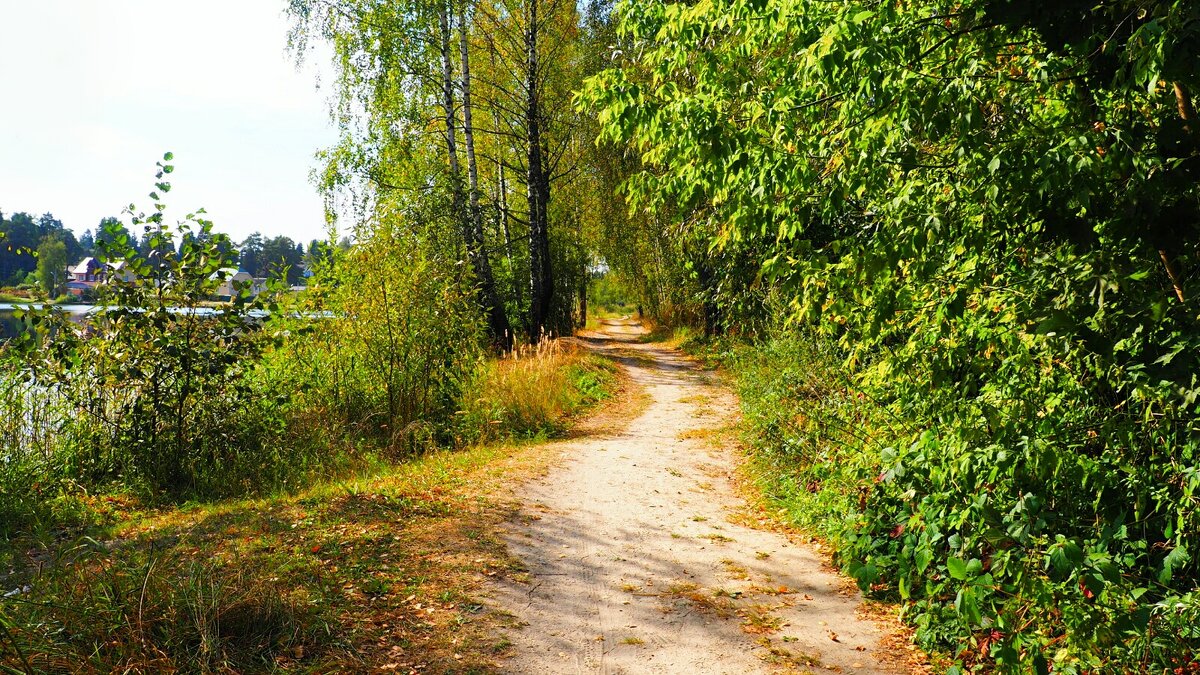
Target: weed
[
  {"x": 734, "y": 569},
  {"x": 782, "y": 656},
  {"x": 758, "y": 620}
]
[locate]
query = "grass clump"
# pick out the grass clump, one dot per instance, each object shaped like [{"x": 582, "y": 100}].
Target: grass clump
[
  {"x": 532, "y": 392},
  {"x": 140, "y": 610}
]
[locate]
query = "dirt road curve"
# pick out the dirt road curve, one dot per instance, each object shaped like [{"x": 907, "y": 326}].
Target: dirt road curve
[{"x": 634, "y": 565}]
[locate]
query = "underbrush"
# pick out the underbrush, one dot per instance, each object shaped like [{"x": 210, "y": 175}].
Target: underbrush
[
  {"x": 532, "y": 392},
  {"x": 810, "y": 430},
  {"x": 1019, "y": 555}
]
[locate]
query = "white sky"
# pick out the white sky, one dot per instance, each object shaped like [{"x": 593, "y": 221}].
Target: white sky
[{"x": 93, "y": 92}]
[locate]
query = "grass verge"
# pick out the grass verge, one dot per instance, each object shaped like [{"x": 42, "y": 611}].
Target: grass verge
[{"x": 379, "y": 572}]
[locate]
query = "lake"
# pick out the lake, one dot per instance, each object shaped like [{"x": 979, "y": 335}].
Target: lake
[{"x": 11, "y": 326}]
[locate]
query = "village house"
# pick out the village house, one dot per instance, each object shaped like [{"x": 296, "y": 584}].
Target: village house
[
  {"x": 229, "y": 280},
  {"x": 83, "y": 278}
]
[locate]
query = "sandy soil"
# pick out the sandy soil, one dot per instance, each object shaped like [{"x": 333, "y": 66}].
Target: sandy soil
[{"x": 636, "y": 562}]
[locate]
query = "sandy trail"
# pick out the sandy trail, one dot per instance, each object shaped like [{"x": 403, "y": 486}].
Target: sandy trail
[{"x": 636, "y": 566}]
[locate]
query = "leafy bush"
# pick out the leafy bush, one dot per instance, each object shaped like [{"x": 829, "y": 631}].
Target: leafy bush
[
  {"x": 1022, "y": 555},
  {"x": 393, "y": 336},
  {"x": 154, "y": 389}
]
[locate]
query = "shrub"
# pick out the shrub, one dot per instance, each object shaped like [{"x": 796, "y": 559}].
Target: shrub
[
  {"x": 155, "y": 389},
  {"x": 391, "y": 336},
  {"x": 1017, "y": 551}
]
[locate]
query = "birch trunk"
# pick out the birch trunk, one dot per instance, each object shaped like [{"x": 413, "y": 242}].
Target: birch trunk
[{"x": 498, "y": 327}]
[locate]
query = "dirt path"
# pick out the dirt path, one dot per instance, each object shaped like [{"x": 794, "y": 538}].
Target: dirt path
[{"x": 636, "y": 564}]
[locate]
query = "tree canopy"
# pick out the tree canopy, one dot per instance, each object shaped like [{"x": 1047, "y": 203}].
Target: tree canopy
[{"x": 992, "y": 207}]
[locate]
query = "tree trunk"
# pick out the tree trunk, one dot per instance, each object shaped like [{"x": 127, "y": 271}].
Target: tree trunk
[
  {"x": 456, "y": 190},
  {"x": 541, "y": 281},
  {"x": 583, "y": 298},
  {"x": 456, "y": 187},
  {"x": 1186, "y": 110},
  {"x": 498, "y": 328},
  {"x": 1188, "y": 113},
  {"x": 508, "y": 252}
]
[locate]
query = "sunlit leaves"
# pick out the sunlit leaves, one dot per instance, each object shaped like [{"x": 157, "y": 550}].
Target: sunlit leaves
[{"x": 982, "y": 204}]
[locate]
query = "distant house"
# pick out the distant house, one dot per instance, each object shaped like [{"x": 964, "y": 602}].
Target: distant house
[
  {"x": 89, "y": 271},
  {"x": 119, "y": 269},
  {"x": 228, "y": 279},
  {"x": 83, "y": 277}
]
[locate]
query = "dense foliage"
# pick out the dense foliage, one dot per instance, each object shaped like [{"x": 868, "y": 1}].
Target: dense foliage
[
  {"x": 396, "y": 339},
  {"x": 20, "y": 236},
  {"x": 155, "y": 389},
  {"x": 461, "y": 111},
  {"x": 991, "y": 208}
]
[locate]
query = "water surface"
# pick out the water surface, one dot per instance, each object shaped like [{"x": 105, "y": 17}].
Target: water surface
[{"x": 11, "y": 326}]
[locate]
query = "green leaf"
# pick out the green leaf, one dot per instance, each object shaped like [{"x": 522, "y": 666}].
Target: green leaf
[
  {"x": 974, "y": 567},
  {"x": 1177, "y": 557},
  {"x": 922, "y": 558},
  {"x": 957, "y": 568},
  {"x": 967, "y": 605}
]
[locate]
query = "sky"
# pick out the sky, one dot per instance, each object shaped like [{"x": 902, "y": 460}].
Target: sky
[{"x": 93, "y": 92}]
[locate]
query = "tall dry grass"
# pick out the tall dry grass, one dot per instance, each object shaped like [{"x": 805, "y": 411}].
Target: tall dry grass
[{"x": 532, "y": 391}]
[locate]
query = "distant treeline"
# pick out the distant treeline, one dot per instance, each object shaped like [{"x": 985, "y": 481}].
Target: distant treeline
[{"x": 22, "y": 233}]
